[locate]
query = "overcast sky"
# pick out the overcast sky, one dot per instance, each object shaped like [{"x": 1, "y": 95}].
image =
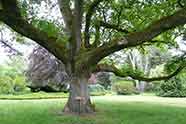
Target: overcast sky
[{"x": 7, "y": 35}]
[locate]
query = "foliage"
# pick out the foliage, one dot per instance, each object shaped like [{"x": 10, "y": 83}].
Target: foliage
[
  {"x": 129, "y": 15},
  {"x": 47, "y": 26},
  {"x": 175, "y": 87},
  {"x": 158, "y": 71},
  {"x": 175, "y": 62},
  {"x": 12, "y": 78},
  {"x": 124, "y": 88},
  {"x": 128, "y": 69}
]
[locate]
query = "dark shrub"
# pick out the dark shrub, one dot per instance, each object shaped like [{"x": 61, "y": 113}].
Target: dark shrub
[
  {"x": 103, "y": 78},
  {"x": 175, "y": 87}
]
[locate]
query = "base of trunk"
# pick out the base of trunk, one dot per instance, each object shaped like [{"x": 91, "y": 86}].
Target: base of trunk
[
  {"x": 79, "y": 108},
  {"x": 79, "y": 98}
]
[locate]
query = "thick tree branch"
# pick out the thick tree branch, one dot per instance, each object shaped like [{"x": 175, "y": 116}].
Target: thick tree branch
[
  {"x": 77, "y": 24},
  {"x": 112, "y": 26},
  {"x": 89, "y": 14},
  {"x": 66, "y": 13},
  {"x": 97, "y": 37},
  {"x": 137, "y": 38},
  {"x": 10, "y": 15},
  {"x": 133, "y": 75},
  {"x": 106, "y": 26}
]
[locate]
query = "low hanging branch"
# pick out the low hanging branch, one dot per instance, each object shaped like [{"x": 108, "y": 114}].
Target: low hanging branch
[{"x": 134, "y": 75}]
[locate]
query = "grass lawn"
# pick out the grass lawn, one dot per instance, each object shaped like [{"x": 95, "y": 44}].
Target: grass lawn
[
  {"x": 110, "y": 110},
  {"x": 37, "y": 95}
]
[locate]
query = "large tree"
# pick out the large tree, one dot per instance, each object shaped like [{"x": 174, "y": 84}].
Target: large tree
[{"x": 94, "y": 29}]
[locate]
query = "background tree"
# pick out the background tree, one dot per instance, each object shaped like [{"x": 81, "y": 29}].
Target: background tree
[
  {"x": 92, "y": 30},
  {"x": 45, "y": 72},
  {"x": 146, "y": 62}
]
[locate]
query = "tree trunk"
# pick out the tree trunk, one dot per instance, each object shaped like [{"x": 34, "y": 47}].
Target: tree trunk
[
  {"x": 79, "y": 98},
  {"x": 140, "y": 86}
]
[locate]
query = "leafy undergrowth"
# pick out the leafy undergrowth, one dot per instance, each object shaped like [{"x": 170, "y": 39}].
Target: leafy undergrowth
[{"x": 110, "y": 110}]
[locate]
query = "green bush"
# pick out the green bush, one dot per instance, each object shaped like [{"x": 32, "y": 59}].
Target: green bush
[
  {"x": 19, "y": 83},
  {"x": 6, "y": 85},
  {"x": 175, "y": 87},
  {"x": 125, "y": 88},
  {"x": 12, "y": 85},
  {"x": 12, "y": 78},
  {"x": 97, "y": 90}
]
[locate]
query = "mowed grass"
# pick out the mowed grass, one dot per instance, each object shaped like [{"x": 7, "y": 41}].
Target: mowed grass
[
  {"x": 37, "y": 95},
  {"x": 110, "y": 110}
]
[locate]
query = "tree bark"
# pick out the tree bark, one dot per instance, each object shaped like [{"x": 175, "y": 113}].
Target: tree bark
[
  {"x": 79, "y": 99},
  {"x": 140, "y": 86}
]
